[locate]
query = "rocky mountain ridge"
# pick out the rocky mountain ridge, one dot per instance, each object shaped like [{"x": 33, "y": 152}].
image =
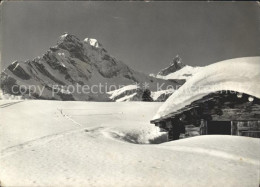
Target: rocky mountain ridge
[{"x": 73, "y": 63}]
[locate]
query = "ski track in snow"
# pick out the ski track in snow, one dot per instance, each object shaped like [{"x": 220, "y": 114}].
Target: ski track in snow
[
  {"x": 45, "y": 139},
  {"x": 9, "y": 104},
  {"x": 42, "y": 140},
  {"x": 68, "y": 117}
]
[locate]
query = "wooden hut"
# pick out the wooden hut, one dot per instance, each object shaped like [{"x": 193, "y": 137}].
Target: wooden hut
[
  {"x": 229, "y": 102},
  {"x": 223, "y": 112}
]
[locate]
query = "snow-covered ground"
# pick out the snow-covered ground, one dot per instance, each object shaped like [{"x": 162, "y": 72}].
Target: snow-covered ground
[{"x": 53, "y": 143}]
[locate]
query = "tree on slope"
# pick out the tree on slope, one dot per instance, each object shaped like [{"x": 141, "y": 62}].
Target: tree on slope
[{"x": 147, "y": 95}]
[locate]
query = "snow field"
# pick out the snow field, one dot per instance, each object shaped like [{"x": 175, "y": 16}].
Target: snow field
[{"x": 52, "y": 143}]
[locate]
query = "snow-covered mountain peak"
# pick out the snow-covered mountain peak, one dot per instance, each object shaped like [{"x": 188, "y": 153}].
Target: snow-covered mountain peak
[
  {"x": 15, "y": 62},
  {"x": 73, "y": 62},
  {"x": 175, "y": 65},
  {"x": 73, "y": 44},
  {"x": 177, "y": 70},
  {"x": 66, "y": 37},
  {"x": 93, "y": 42}
]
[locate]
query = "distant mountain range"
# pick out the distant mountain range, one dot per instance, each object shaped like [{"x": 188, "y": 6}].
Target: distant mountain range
[
  {"x": 176, "y": 71},
  {"x": 75, "y": 63}
]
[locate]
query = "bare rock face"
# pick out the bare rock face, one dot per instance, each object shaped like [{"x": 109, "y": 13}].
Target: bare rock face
[
  {"x": 69, "y": 63},
  {"x": 174, "y": 66}
]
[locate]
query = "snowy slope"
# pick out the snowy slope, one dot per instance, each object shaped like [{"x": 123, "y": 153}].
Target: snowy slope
[
  {"x": 184, "y": 73},
  {"x": 131, "y": 97},
  {"x": 134, "y": 93},
  {"x": 73, "y": 62},
  {"x": 162, "y": 95},
  {"x": 122, "y": 92},
  {"x": 99, "y": 144},
  {"x": 240, "y": 74}
]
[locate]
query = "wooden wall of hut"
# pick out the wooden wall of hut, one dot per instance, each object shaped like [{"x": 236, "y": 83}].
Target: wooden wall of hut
[
  {"x": 238, "y": 128},
  {"x": 219, "y": 107},
  {"x": 242, "y": 110},
  {"x": 246, "y": 128}
]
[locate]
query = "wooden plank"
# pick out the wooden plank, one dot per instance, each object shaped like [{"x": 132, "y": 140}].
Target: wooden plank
[{"x": 233, "y": 129}]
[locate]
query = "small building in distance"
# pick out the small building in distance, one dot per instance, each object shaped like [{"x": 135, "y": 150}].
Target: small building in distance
[{"x": 222, "y": 98}]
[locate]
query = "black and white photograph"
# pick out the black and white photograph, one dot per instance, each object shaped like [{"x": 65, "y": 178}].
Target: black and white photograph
[{"x": 129, "y": 93}]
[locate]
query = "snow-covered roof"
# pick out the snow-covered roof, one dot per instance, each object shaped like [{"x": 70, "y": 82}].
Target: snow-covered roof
[{"x": 240, "y": 75}]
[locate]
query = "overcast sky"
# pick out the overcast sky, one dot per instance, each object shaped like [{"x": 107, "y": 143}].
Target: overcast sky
[{"x": 146, "y": 36}]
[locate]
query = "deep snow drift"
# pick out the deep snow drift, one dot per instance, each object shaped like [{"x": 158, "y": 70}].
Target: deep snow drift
[
  {"x": 240, "y": 75},
  {"x": 53, "y": 143}
]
